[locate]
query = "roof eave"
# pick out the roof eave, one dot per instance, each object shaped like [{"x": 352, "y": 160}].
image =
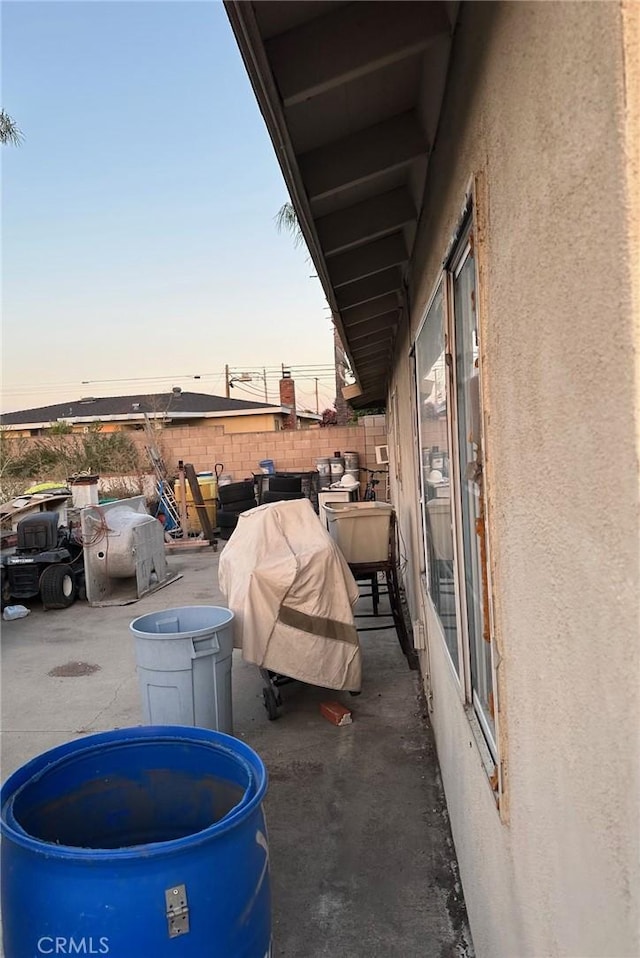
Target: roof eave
[
  {"x": 245, "y": 27},
  {"x": 139, "y": 418}
]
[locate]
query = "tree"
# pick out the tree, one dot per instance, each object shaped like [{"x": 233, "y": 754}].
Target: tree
[
  {"x": 287, "y": 222},
  {"x": 9, "y": 132},
  {"x": 329, "y": 417}
]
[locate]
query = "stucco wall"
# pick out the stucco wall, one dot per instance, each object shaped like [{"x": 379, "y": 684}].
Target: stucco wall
[{"x": 535, "y": 107}]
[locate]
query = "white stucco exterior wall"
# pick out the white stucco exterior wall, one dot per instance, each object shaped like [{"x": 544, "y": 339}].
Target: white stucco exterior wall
[{"x": 539, "y": 105}]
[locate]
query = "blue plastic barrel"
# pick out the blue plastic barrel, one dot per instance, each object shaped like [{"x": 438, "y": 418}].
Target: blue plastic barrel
[{"x": 138, "y": 843}]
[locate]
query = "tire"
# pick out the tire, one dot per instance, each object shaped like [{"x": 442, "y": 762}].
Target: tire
[
  {"x": 269, "y": 496},
  {"x": 271, "y": 703},
  {"x": 239, "y": 507},
  {"x": 57, "y": 586},
  {"x": 236, "y": 492},
  {"x": 227, "y": 520},
  {"x": 6, "y": 589},
  {"x": 285, "y": 484},
  {"x": 233, "y": 508}
]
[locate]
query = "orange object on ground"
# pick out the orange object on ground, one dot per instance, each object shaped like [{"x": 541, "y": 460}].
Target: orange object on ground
[{"x": 336, "y": 713}]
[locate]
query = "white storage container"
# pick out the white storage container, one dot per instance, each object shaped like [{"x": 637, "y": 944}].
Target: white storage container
[
  {"x": 328, "y": 496},
  {"x": 360, "y": 529},
  {"x": 439, "y": 518}
]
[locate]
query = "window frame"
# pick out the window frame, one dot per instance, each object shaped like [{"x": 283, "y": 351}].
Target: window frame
[
  {"x": 459, "y": 672},
  {"x": 462, "y": 245}
]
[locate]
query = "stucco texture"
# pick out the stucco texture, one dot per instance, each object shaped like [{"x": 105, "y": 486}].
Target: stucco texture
[{"x": 536, "y": 108}]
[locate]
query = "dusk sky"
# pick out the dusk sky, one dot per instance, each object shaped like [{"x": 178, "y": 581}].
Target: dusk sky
[{"x": 139, "y": 243}]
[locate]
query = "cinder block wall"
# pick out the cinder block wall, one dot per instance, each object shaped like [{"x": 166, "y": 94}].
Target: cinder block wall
[{"x": 240, "y": 453}]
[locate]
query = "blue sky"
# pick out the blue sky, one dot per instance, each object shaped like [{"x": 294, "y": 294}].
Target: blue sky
[{"x": 138, "y": 214}]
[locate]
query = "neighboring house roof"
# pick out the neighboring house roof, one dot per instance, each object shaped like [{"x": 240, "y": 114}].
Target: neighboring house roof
[{"x": 173, "y": 405}]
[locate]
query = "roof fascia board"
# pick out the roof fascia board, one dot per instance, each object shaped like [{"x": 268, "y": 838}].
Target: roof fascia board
[{"x": 135, "y": 417}]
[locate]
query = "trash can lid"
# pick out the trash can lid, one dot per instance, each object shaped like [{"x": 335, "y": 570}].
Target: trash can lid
[{"x": 189, "y": 621}]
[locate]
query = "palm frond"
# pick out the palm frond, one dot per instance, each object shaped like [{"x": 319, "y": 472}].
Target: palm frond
[
  {"x": 287, "y": 222},
  {"x": 9, "y": 132}
]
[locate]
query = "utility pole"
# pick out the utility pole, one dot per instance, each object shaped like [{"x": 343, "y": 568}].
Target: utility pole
[
  {"x": 317, "y": 404},
  {"x": 226, "y": 380},
  {"x": 264, "y": 380}
]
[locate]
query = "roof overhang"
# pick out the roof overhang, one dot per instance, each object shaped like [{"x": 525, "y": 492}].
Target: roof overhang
[
  {"x": 165, "y": 417},
  {"x": 351, "y": 95}
]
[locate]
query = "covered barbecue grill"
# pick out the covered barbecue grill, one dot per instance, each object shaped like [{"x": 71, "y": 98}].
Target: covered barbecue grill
[{"x": 292, "y": 595}]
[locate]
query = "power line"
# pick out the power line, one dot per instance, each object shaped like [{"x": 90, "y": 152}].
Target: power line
[
  {"x": 99, "y": 382},
  {"x": 304, "y": 371},
  {"x": 252, "y": 390},
  {"x": 268, "y": 375},
  {"x": 277, "y": 370}
]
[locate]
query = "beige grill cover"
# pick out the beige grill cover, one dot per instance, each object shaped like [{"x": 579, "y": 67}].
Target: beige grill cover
[{"x": 292, "y": 594}]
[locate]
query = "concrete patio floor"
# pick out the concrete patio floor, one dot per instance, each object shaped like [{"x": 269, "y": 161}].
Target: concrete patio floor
[{"x": 362, "y": 861}]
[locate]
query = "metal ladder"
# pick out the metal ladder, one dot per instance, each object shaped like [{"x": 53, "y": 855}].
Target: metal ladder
[{"x": 163, "y": 483}]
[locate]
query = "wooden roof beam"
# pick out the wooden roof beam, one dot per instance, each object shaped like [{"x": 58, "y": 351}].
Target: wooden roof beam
[
  {"x": 362, "y": 156},
  {"x": 367, "y": 259},
  {"x": 369, "y": 353},
  {"x": 365, "y": 221},
  {"x": 371, "y": 326},
  {"x": 361, "y": 37},
  {"x": 372, "y": 358},
  {"x": 383, "y": 339},
  {"x": 364, "y": 312},
  {"x": 387, "y": 281}
]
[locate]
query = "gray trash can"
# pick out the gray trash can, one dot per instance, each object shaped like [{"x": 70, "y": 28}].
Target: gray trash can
[{"x": 184, "y": 661}]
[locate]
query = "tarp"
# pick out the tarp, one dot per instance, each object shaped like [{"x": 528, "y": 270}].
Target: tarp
[{"x": 292, "y": 594}]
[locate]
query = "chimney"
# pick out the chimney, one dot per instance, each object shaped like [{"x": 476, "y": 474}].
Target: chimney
[{"x": 288, "y": 398}]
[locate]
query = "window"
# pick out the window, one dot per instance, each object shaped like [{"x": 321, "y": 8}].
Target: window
[
  {"x": 447, "y": 357},
  {"x": 432, "y": 404},
  {"x": 469, "y": 453},
  {"x": 394, "y": 430}
]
